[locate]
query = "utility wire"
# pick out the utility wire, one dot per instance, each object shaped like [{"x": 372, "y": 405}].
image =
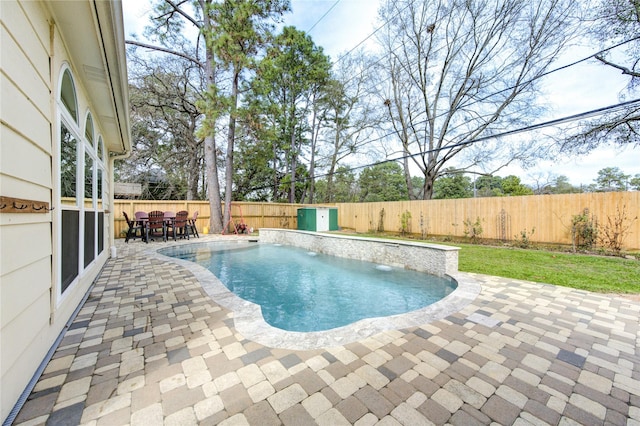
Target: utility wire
[
  {"x": 563, "y": 120},
  {"x": 371, "y": 35},
  {"x": 525, "y": 82},
  {"x": 586, "y": 58},
  {"x": 550, "y": 123},
  {"x": 322, "y": 17}
]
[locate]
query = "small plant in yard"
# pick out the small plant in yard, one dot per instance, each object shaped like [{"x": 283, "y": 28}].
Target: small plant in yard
[
  {"x": 449, "y": 237},
  {"x": 524, "y": 239},
  {"x": 405, "y": 222},
  {"x": 615, "y": 230},
  {"x": 584, "y": 231},
  {"x": 381, "y": 221},
  {"x": 473, "y": 230},
  {"x": 284, "y": 219},
  {"x": 423, "y": 228}
]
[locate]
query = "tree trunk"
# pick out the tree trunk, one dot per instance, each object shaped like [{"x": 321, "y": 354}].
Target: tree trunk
[
  {"x": 210, "y": 153},
  {"x": 213, "y": 186},
  {"x": 193, "y": 174},
  {"x": 407, "y": 177},
  {"x": 294, "y": 157},
  {"x": 274, "y": 195},
  {"x": 427, "y": 189},
  {"x": 192, "y": 178},
  {"x": 231, "y": 135},
  {"x": 312, "y": 161}
]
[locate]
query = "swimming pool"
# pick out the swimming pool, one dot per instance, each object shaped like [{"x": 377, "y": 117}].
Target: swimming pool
[{"x": 304, "y": 291}]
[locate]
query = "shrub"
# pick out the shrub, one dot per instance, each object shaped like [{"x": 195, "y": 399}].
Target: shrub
[
  {"x": 381, "y": 221},
  {"x": 615, "y": 230},
  {"x": 423, "y": 228},
  {"x": 584, "y": 231},
  {"x": 524, "y": 239},
  {"x": 284, "y": 219},
  {"x": 405, "y": 222},
  {"x": 473, "y": 230}
]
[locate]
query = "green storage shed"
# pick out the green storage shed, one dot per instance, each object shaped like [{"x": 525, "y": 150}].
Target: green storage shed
[{"x": 318, "y": 219}]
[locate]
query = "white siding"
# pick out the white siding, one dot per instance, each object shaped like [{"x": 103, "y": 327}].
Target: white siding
[
  {"x": 26, "y": 161},
  {"x": 25, "y": 172},
  {"x": 23, "y": 286},
  {"x": 31, "y": 314}
]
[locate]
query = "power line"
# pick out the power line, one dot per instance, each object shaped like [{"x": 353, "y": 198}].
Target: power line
[
  {"x": 550, "y": 123},
  {"x": 509, "y": 88},
  {"x": 546, "y": 73},
  {"x": 371, "y": 35},
  {"x": 322, "y": 17},
  {"x": 525, "y": 82}
]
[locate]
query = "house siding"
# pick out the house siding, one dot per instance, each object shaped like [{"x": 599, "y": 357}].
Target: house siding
[
  {"x": 32, "y": 311},
  {"x": 26, "y": 172}
]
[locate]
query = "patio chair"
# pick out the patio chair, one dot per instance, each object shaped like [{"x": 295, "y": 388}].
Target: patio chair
[
  {"x": 191, "y": 225},
  {"x": 140, "y": 216},
  {"x": 135, "y": 229},
  {"x": 178, "y": 226},
  {"x": 156, "y": 226}
]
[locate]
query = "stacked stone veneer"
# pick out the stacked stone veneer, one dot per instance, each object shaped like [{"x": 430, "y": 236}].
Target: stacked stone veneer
[{"x": 431, "y": 258}]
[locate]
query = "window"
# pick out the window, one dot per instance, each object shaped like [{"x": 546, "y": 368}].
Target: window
[
  {"x": 69, "y": 202},
  {"x": 100, "y": 150},
  {"x": 68, "y": 166},
  {"x": 99, "y": 184},
  {"x": 81, "y": 186},
  {"x": 89, "y": 212},
  {"x": 88, "y": 129},
  {"x": 68, "y": 95}
]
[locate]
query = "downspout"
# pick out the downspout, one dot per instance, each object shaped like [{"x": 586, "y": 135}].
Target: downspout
[
  {"x": 112, "y": 14},
  {"x": 111, "y": 214}
]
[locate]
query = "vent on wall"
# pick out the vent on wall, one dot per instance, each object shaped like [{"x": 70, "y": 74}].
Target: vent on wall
[{"x": 94, "y": 74}]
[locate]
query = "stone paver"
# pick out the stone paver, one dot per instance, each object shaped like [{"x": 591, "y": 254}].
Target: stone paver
[{"x": 151, "y": 347}]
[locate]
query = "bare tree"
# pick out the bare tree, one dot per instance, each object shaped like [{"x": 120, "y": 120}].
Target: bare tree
[
  {"x": 612, "y": 23},
  {"x": 458, "y": 70},
  {"x": 165, "y": 91},
  {"x": 618, "y": 21},
  {"x": 349, "y": 114}
]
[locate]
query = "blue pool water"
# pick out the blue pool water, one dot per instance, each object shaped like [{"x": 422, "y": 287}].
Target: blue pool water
[{"x": 304, "y": 291}]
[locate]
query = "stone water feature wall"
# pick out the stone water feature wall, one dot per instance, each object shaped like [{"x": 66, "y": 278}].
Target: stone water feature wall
[{"x": 432, "y": 258}]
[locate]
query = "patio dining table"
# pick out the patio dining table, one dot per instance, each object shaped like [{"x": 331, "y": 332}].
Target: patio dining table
[
  {"x": 143, "y": 219},
  {"x": 169, "y": 219}
]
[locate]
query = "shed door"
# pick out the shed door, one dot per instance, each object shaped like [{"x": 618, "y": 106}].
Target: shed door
[{"x": 322, "y": 219}]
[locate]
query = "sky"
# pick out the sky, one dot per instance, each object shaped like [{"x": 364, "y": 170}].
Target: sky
[{"x": 348, "y": 23}]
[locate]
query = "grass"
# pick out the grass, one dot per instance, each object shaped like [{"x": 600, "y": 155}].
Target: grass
[
  {"x": 603, "y": 274},
  {"x": 594, "y": 273}
]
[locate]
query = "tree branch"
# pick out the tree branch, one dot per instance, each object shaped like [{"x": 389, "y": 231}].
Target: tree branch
[
  {"x": 165, "y": 50},
  {"x": 183, "y": 14},
  {"x": 624, "y": 70}
]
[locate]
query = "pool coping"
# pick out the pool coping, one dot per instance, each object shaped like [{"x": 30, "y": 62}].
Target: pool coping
[{"x": 248, "y": 319}]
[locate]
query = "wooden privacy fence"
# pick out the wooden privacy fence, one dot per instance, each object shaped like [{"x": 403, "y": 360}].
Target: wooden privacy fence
[
  {"x": 256, "y": 215},
  {"x": 544, "y": 218},
  {"x": 501, "y": 218}
]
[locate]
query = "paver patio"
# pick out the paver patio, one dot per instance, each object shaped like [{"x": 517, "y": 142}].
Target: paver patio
[{"x": 150, "y": 347}]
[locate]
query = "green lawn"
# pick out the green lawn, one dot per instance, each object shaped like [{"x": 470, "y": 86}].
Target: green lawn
[{"x": 594, "y": 273}]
